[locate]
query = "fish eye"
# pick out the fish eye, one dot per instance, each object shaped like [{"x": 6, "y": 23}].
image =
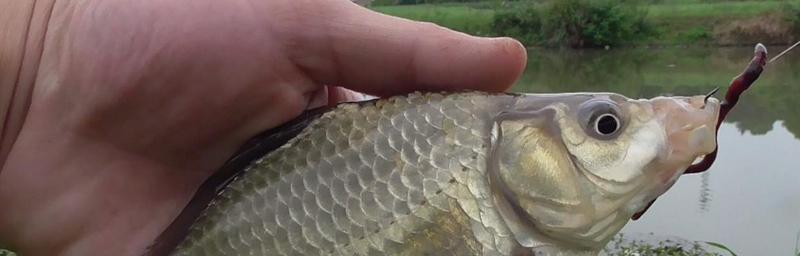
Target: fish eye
[
  {"x": 606, "y": 124},
  {"x": 601, "y": 119}
]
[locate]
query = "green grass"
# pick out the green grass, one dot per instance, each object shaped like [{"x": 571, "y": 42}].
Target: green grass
[
  {"x": 739, "y": 9},
  {"x": 619, "y": 246},
  {"x": 693, "y": 22},
  {"x": 722, "y": 247},
  {"x": 458, "y": 17},
  {"x": 797, "y": 244},
  {"x": 678, "y": 22}
]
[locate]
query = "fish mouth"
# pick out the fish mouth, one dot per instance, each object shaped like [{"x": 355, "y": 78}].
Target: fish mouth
[{"x": 690, "y": 124}]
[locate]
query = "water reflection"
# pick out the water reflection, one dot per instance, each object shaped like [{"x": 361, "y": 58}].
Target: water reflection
[
  {"x": 750, "y": 200},
  {"x": 705, "y": 191}
]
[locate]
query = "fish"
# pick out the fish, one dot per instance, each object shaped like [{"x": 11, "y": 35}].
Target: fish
[{"x": 467, "y": 173}]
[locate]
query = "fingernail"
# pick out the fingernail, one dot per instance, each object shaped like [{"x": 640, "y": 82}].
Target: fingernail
[{"x": 318, "y": 99}]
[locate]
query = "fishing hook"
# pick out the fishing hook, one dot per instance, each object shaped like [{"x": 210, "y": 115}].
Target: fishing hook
[{"x": 709, "y": 94}]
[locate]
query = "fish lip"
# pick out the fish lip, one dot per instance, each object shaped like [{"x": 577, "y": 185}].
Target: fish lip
[
  {"x": 711, "y": 106},
  {"x": 710, "y": 128}
]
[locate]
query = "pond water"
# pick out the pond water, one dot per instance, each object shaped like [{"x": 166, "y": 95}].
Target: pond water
[{"x": 749, "y": 200}]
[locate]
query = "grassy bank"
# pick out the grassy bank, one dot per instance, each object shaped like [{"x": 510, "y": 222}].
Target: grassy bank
[
  {"x": 465, "y": 18},
  {"x": 675, "y": 22}
]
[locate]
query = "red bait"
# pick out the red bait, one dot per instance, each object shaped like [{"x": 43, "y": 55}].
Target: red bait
[{"x": 739, "y": 84}]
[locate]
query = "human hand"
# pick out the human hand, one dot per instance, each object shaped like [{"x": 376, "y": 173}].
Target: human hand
[{"x": 137, "y": 102}]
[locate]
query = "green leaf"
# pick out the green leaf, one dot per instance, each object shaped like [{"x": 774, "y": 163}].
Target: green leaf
[{"x": 721, "y": 246}]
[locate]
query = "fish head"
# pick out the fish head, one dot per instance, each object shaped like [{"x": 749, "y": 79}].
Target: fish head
[{"x": 573, "y": 168}]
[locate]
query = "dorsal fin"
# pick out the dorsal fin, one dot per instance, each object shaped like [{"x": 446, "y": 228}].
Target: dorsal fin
[{"x": 253, "y": 149}]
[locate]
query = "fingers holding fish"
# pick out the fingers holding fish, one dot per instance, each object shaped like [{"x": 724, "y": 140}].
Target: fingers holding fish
[{"x": 331, "y": 95}]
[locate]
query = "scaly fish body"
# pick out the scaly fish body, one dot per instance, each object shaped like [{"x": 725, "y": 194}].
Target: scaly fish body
[{"x": 458, "y": 174}]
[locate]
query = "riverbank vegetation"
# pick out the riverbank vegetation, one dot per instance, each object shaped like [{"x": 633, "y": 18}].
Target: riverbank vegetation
[
  {"x": 575, "y": 23},
  {"x": 600, "y": 23}
]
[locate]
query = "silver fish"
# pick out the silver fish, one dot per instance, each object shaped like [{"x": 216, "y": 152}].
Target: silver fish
[{"x": 458, "y": 174}]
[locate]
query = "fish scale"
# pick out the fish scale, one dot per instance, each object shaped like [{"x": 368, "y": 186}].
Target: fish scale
[
  {"x": 421, "y": 176},
  {"x": 456, "y": 174}
]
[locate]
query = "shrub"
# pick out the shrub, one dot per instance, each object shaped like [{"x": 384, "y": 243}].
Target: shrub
[
  {"x": 524, "y": 24},
  {"x": 575, "y": 23},
  {"x": 698, "y": 34},
  {"x": 792, "y": 14},
  {"x": 407, "y": 2},
  {"x": 383, "y": 2}
]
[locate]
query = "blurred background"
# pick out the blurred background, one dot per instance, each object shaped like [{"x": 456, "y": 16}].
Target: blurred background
[{"x": 611, "y": 23}]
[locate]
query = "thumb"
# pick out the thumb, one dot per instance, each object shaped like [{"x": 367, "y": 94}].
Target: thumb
[{"x": 383, "y": 55}]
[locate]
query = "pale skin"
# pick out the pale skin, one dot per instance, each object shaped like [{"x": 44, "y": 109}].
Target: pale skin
[{"x": 137, "y": 102}]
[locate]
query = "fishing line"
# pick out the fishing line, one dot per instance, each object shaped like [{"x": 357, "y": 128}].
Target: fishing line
[{"x": 784, "y": 52}]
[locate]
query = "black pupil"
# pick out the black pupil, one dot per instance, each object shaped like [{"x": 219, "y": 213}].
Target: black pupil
[{"x": 607, "y": 125}]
